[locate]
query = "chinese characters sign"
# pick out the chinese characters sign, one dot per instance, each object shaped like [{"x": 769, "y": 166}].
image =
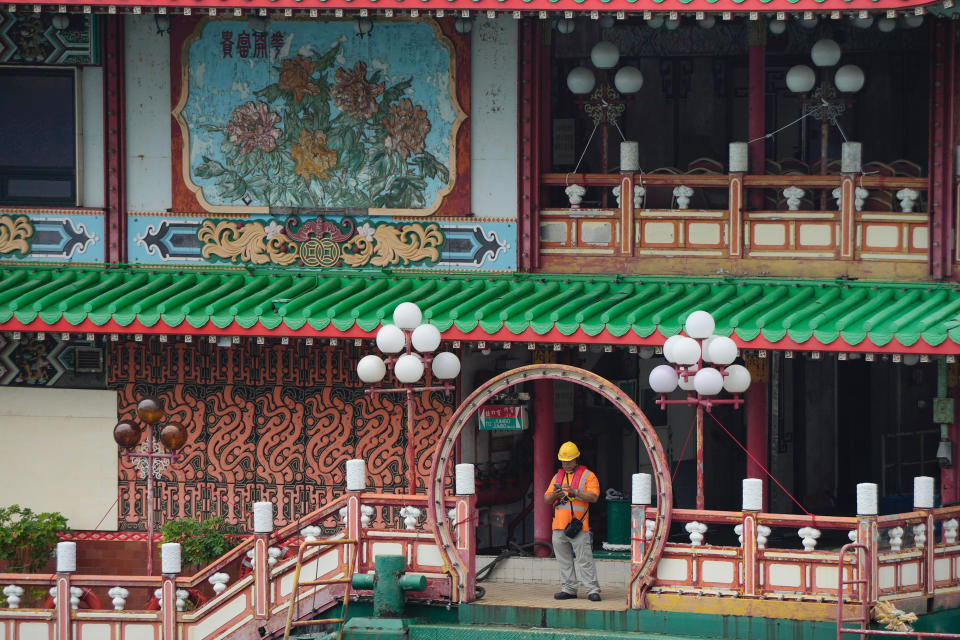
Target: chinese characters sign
[{"x": 304, "y": 114}]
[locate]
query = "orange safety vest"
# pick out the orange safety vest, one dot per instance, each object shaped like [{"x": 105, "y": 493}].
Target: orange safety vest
[{"x": 562, "y": 514}]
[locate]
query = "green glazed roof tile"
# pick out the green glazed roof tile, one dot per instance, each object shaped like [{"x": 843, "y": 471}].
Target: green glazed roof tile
[{"x": 501, "y": 305}]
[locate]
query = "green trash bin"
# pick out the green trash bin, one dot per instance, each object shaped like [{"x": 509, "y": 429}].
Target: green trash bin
[{"x": 618, "y": 521}]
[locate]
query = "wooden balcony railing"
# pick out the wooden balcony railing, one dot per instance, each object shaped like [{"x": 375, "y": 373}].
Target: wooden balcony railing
[{"x": 844, "y": 217}]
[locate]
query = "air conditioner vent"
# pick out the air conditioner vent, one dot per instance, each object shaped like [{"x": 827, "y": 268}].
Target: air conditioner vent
[{"x": 88, "y": 360}]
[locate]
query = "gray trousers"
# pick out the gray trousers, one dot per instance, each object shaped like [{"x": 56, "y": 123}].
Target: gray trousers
[{"x": 565, "y": 548}]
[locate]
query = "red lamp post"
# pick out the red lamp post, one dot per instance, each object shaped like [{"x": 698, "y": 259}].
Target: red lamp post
[{"x": 150, "y": 459}]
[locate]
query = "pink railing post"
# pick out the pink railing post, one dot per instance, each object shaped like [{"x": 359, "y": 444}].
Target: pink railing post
[
  {"x": 464, "y": 522},
  {"x": 849, "y": 178},
  {"x": 66, "y": 564},
  {"x": 641, "y": 496},
  {"x": 752, "y": 505},
  {"x": 738, "y": 166},
  {"x": 868, "y": 535},
  {"x": 356, "y": 483},
  {"x": 170, "y": 566},
  {"x": 262, "y": 528},
  {"x": 629, "y": 162}
]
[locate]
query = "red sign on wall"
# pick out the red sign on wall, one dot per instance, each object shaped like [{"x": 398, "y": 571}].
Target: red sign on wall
[{"x": 503, "y": 418}]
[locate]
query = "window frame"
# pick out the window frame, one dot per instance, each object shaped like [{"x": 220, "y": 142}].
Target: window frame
[{"x": 25, "y": 171}]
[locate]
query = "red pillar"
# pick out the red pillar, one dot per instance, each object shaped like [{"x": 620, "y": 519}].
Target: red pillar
[
  {"x": 113, "y": 136},
  {"x": 544, "y": 457},
  {"x": 533, "y": 127},
  {"x": 756, "y": 101},
  {"x": 950, "y": 476},
  {"x": 756, "y": 408},
  {"x": 942, "y": 108}
]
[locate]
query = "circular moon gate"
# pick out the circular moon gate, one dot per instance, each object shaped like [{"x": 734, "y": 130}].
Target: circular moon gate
[{"x": 642, "y": 576}]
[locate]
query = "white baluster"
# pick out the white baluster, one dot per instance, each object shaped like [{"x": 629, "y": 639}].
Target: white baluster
[
  {"x": 14, "y": 595},
  {"x": 119, "y": 595},
  {"x": 75, "y": 594},
  {"x": 794, "y": 196},
  {"x": 182, "y": 595},
  {"x": 343, "y": 514},
  {"x": 649, "y": 527},
  {"x": 219, "y": 582},
  {"x": 896, "y": 538},
  {"x": 452, "y": 514},
  {"x": 310, "y": 533},
  {"x": 575, "y": 193},
  {"x": 682, "y": 194},
  {"x": 860, "y": 197},
  {"x": 852, "y": 535},
  {"x": 158, "y": 594},
  {"x": 410, "y": 517},
  {"x": 273, "y": 556},
  {"x": 919, "y": 535},
  {"x": 639, "y": 195},
  {"x": 837, "y": 195},
  {"x": 696, "y": 531},
  {"x": 763, "y": 532},
  {"x": 616, "y": 194},
  {"x": 366, "y": 515},
  {"x": 810, "y": 537},
  {"x": 950, "y": 531},
  {"x": 908, "y": 199}
]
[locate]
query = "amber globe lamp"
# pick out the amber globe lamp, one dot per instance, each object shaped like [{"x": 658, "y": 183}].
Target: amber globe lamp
[
  {"x": 127, "y": 435},
  {"x": 149, "y": 411},
  {"x": 173, "y": 436}
]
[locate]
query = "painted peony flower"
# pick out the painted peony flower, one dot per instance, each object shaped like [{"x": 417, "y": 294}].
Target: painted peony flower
[
  {"x": 252, "y": 127},
  {"x": 295, "y": 77},
  {"x": 312, "y": 156},
  {"x": 353, "y": 95},
  {"x": 407, "y": 126}
]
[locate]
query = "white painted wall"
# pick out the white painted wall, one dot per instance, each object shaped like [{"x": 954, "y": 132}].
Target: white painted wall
[
  {"x": 147, "y": 72},
  {"x": 493, "y": 117},
  {"x": 91, "y": 137},
  {"x": 58, "y": 453}
]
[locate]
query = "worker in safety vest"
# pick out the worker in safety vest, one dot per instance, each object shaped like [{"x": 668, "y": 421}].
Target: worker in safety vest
[{"x": 570, "y": 492}]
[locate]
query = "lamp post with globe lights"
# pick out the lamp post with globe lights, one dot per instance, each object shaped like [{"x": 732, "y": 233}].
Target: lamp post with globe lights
[
  {"x": 701, "y": 364},
  {"x": 409, "y": 348},
  {"x": 824, "y": 104},
  {"x": 150, "y": 460}
]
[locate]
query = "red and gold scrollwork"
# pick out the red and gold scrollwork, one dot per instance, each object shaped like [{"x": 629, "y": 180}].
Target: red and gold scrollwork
[{"x": 265, "y": 422}]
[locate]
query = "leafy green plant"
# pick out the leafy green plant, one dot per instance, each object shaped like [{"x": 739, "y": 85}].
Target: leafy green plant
[
  {"x": 27, "y": 539},
  {"x": 201, "y": 542}
]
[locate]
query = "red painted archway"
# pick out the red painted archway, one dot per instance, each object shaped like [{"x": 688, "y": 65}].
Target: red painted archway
[{"x": 643, "y": 574}]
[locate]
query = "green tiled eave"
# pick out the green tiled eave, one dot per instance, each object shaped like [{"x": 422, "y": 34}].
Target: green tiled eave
[{"x": 831, "y": 313}]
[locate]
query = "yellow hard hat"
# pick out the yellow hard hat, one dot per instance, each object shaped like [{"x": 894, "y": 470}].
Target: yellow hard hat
[{"x": 568, "y": 451}]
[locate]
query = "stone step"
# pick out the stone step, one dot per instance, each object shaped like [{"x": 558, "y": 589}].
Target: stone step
[{"x": 529, "y": 570}]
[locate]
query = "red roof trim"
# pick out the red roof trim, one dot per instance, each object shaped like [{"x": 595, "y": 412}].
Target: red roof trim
[
  {"x": 689, "y": 6},
  {"x": 947, "y": 347}
]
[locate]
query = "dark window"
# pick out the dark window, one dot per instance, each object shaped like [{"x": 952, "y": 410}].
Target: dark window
[{"x": 38, "y": 155}]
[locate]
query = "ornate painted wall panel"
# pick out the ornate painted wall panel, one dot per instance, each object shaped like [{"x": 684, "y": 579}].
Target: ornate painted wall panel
[
  {"x": 51, "y": 235},
  {"x": 323, "y": 242},
  {"x": 30, "y": 38},
  {"x": 266, "y": 422},
  {"x": 312, "y": 114}
]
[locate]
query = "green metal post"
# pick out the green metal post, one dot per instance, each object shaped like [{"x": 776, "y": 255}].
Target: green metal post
[{"x": 389, "y": 583}]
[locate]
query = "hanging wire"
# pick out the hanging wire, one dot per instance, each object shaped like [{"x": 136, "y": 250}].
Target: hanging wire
[
  {"x": 585, "y": 147},
  {"x": 623, "y": 138},
  {"x": 773, "y": 133}
]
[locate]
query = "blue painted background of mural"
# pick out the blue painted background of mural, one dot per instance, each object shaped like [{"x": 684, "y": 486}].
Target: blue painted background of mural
[
  {"x": 308, "y": 114},
  {"x": 51, "y": 237},
  {"x": 307, "y": 242}
]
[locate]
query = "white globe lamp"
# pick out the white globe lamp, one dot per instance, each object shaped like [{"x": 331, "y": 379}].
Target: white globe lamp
[
  {"x": 566, "y": 26},
  {"x": 699, "y": 324},
  {"x": 663, "y": 379},
  {"x": 604, "y": 55},
  {"x": 628, "y": 80},
  {"x": 777, "y": 27},
  {"x": 581, "y": 80},
  {"x": 801, "y": 78},
  {"x": 668, "y": 347},
  {"x": 371, "y": 369},
  {"x": 445, "y": 365},
  {"x": 737, "y": 379},
  {"x": 390, "y": 339},
  {"x": 825, "y": 53},
  {"x": 708, "y": 381},
  {"x": 408, "y": 368},
  {"x": 425, "y": 338},
  {"x": 407, "y": 316},
  {"x": 721, "y": 350},
  {"x": 686, "y": 351},
  {"x": 849, "y": 78}
]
